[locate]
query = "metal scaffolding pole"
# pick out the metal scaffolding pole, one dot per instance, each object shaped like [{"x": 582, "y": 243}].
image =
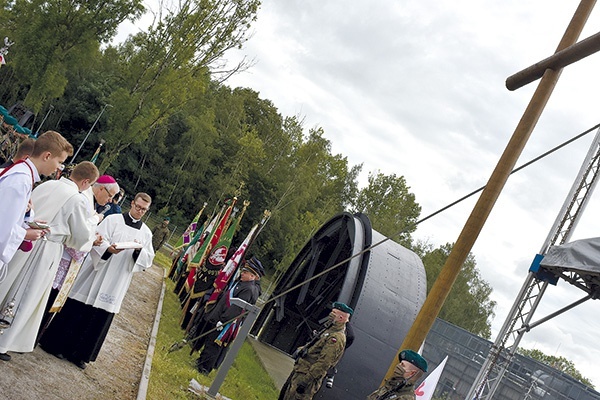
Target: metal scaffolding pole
[{"x": 518, "y": 320}]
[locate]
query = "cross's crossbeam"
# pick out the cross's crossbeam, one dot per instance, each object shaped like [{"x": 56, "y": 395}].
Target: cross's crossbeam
[{"x": 555, "y": 62}]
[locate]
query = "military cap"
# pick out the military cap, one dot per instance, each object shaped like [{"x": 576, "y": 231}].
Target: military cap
[
  {"x": 414, "y": 358},
  {"x": 343, "y": 307},
  {"x": 255, "y": 266}
]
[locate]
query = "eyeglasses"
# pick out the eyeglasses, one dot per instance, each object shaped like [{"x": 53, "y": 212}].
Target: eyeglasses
[
  {"x": 140, "y": 208},
  {"x": 109, "y": 193}
]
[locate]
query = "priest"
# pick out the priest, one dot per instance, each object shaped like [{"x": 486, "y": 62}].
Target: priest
[
  {"x": 24, "y": 293},
  {"x": 79, "y": 330}
]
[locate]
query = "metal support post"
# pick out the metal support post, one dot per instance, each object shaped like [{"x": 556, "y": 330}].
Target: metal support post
[{"x": 235, "y": 346}]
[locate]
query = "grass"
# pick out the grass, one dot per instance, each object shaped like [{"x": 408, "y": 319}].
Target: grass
[{"x": 172, "y": 372}]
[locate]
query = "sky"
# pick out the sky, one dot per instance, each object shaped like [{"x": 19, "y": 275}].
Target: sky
[{"x": 416, "y": 88}]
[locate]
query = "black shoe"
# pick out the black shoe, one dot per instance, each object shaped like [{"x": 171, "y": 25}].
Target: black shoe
[
  {"x": 59, "y": 356},
  {"x": 80, "y": 364},
  {"x": 5, "y": 357},
  {"x": 202, "y": 370}
]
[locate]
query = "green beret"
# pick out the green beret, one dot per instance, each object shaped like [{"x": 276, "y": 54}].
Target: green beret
[
  {"x": 414, "y": 358},
  {"x": 343, "y": 307}
]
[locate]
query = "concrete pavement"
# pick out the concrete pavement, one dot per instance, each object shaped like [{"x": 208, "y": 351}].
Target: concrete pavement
[{"x": 277, "y": 363}]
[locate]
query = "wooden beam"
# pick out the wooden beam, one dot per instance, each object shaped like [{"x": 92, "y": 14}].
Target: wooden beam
[{"x": 555, "y": 62}]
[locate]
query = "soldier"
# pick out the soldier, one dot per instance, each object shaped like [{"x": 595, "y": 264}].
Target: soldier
[
  {"x": 401, "y": 386},
  {"x": 317, "y": 356},
  {"x": 160, "y": 234}
]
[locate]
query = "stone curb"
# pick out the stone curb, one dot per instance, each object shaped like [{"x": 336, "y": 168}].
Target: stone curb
[{"x": 143, "y": 387}]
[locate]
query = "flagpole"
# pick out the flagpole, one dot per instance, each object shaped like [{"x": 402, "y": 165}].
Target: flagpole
[{"x": 90, "y": 131}]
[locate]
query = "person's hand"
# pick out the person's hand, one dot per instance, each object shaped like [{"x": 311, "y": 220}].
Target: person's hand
[
  {"x": 34, "y": 234},
  {"x": 98, "y": 240},
  {"x": 219, "y": 326},
  {"x": 296, "y": 353},
  {"x": 113, "y": 250}
]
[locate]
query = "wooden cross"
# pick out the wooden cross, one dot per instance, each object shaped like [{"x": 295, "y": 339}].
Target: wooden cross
[{"x": 549, "y": 70}]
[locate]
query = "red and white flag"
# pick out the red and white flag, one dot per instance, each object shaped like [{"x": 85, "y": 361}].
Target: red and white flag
[
  {"x": 427, "y": 387},
  {"x": 228, "y": 271}
]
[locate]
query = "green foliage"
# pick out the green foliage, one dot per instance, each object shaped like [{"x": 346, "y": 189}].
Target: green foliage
[
  {"x": 52, "y": 36},
  {"x": 164, "y": 69},
  {"x": 172, "y": 372},
  {"x": 468, "y": 304},
  {"x": 558, "y": 362},
  {"x": 390, "y": 206}
]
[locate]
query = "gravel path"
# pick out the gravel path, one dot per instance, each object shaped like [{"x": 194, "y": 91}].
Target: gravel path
[{"x": 117, "y": 372}]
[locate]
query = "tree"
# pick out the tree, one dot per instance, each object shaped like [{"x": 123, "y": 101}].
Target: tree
[
  {"x": 468, "y": 304},
  {"x": 165, "y": 68},
  {"x": 390, "y": 206},
  {"x": 52, "y": 36},
  {"x": 313, "y": 188},
  {"x": 560, "y": 363}
]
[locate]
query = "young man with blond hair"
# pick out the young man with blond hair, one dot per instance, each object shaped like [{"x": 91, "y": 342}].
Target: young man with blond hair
[
  {"x": 30, "y": 275},
  {"x": 16, "y": 183}
]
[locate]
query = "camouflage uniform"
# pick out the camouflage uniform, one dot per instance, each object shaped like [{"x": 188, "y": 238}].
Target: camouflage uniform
[
  {"x": 311, "y": 368},
  {"x": 395, "y": 388},
  {"x": 387, "y": 392},
  {"x": 160, "y": 234}
]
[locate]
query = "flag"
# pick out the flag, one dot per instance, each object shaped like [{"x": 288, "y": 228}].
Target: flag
[
  {"x": 427, "y": 387},
  {"x": 207, "y": 272},
  {"x": 211, "y": 240},
  {"x": 229, "y": 270},
  {"x": 213, "y": 235},
  {"x": 189, "y": 233},
  {"x": 190, "y": 250},
  {"x": 218, "y": 255},
  {"x": 197, "y": 250}
]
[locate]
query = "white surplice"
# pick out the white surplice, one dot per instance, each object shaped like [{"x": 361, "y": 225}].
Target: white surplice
[
  {"x": 15, "y": 190},
  {"x": 104, "y": 283},
  {"x": 30, "y": 275}
]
